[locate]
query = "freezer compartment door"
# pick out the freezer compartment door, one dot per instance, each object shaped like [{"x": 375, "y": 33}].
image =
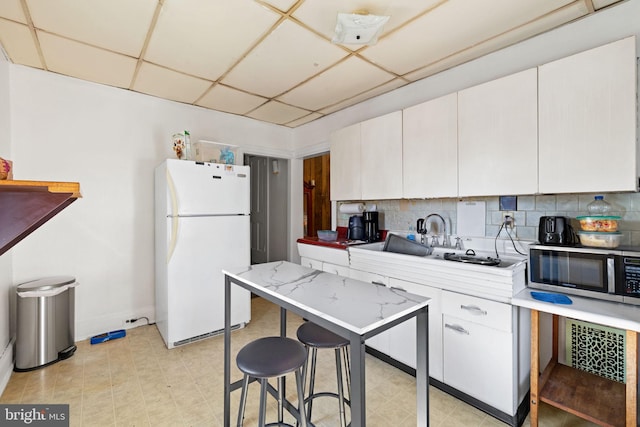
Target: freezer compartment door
[
  {"x": 206, "y": 188},
  {"x": 203, "y": 247}
]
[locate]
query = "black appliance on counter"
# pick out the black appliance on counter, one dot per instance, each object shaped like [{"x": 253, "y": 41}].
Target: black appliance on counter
[
  {"x": 371, "y": 230},
  {"x": 556, "y": 230},
  {"x": 356, "y": 228}
]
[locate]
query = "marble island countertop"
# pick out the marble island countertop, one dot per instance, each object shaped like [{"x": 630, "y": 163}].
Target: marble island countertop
[{"x": 355, "y": 305}]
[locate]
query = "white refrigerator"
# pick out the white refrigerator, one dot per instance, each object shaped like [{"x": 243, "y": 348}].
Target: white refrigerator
[{"x": 201, "y": 227}]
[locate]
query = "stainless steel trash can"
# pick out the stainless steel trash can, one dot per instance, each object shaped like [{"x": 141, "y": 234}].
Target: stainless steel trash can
[{"x": 45, "y": 324}]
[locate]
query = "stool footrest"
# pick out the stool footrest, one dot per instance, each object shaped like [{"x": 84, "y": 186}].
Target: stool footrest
[{"x": 327, "y": 394}]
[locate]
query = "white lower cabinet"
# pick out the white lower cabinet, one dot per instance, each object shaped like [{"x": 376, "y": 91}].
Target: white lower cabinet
[
  {"x": 311, "y": 263},
  {"x": 402, "y": 338},
  {"x": 478, "y": 350},
  {"x": 340, "y": 270},
  {"x": 379, "y": 342}
]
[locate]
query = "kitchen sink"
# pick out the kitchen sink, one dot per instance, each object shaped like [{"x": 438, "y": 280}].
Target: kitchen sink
[{"x": 462, "y": 256}]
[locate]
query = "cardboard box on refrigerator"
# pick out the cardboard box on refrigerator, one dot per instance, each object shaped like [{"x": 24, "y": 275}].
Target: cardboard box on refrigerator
[{"x": 208, "y": 151}]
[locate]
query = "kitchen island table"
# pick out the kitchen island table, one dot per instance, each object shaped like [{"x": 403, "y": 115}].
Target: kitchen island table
[{"x": 350, "y": 308}]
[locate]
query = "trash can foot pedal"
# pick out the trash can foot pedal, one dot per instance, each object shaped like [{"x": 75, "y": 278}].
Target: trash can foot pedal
[
  {"x": 107, "y": 336},
  {"x": 67, "y": 352}
]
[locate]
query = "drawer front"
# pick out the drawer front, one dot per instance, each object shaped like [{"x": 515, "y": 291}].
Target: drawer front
[
  {"x": 340, "y": 270},
  {"x": 485, "y": 312},
  {"x": 365, "y": 276}
]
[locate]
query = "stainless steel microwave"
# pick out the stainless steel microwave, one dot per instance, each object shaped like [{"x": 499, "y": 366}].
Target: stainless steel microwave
[{"x": 608, "y": 274}]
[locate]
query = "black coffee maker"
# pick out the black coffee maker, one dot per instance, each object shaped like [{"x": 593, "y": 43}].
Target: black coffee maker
[{"x": 371, "y": 231}]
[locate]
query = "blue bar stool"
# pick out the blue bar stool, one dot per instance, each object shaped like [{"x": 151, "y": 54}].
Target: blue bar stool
[
  {"x": 315, "y": 337},
  {"x": 271, "y": 357}
]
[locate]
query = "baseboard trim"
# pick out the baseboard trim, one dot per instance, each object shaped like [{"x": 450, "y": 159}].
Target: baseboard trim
[{"x": 6, "y": 366}]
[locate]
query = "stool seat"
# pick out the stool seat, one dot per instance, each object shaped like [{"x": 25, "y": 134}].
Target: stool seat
[
  {"x": 271, "y": 357},
  {"x": 313, "y": 335}
]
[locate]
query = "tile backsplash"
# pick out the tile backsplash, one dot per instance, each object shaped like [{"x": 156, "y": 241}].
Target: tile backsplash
[{"x": 401, "y": 215}]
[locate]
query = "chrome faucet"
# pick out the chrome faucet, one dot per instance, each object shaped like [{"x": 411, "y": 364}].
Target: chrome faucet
[{"x": 445, "y": 237}]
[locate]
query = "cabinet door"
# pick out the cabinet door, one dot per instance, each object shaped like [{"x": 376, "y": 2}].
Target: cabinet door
[
  {"x": 588, "y": 121},
  {"x": 402, "y": 338},
  {"x": 381, "y": 157},
  {"x": 478, "y": 362},
  {"x": 430, "y": 148},
  {"x": 381, "y": 341},
  {"x": 311, "y": 263},
  {"x": 498, "y": 137},
  {"x": 345, "y": 164}
]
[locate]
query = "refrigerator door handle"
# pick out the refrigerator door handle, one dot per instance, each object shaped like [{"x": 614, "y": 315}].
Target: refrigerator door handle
[{"x": 174, "y": 220}]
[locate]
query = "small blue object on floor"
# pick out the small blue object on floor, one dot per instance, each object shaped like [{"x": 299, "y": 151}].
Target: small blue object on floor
[
  {"x": 108, "y": 336},
  {"x": 553, "y": 298}
]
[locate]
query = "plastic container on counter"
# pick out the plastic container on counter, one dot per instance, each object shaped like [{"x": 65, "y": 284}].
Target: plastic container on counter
[
  {"x": 327, "y": 235},
  {"x": 600, "y": 239},
  {"x": 599, "y": 223}
]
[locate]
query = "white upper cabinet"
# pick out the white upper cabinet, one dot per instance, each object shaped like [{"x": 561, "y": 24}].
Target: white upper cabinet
[
  {"x": 588, "y": 121},
  {"x": 381, "y": 157},
  {"x": 430, "y": 148},
  {"x": 498, "y": 137},
  {"x": 345, "y": 164}
]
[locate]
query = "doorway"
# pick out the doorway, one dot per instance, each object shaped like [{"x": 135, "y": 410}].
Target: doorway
[
  {"x": 317, "y": 191},
  {"x": 269, "y": 208}
]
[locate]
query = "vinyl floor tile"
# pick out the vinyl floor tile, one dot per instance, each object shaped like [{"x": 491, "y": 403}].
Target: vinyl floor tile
[{"x": 137, "y": 381}]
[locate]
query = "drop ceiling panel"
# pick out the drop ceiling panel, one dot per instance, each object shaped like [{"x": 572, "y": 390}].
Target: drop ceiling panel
[
  {"x": 287, "y": 57},
  {"x": 599, "y": 4},
  {"x": 85, "y": 62},
  {"x": 230, "y": 100},
  {"x": 552, "y": 20},
  {"x": 389, "y": 86},
  {"x": 343, "y": 81},
  {"x": 240, "y": 56},
  {"x": 168, "y": 84},
  {"x": 117, "y": 25},
  {"x": 283, "y": 5},
  {"x": 321, "y": 15},
  {"x": 277, "y": 112},
  {"x": 306, "y": 119},
  {"x": 12, "y": 9},
  {"x": 205, "y": 38},
  {"x": 17, "y": 41},
  {"x": 453, "y": 27}
]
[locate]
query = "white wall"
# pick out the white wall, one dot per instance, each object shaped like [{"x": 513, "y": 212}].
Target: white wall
[
  {"x": 109, "y": 140},
  {"x": 6, "y": 273}
]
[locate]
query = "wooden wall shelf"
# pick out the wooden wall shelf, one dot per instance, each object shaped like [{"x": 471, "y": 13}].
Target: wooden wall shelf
[{"x": 26, "y": 205}]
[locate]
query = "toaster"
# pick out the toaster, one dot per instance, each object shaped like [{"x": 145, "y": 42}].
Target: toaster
[{"x": 555, "y": 230}]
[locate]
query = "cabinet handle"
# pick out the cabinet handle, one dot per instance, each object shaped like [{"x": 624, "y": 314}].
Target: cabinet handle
[
  {"x": 474, "y": 309},
  {"x": 397, "y": 288},
  {"x": 457, "y": 328},
  {"x": 378, "y": 283}
]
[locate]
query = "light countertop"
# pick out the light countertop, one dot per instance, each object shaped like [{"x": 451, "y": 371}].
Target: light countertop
[{"x": 614, "y": 314}]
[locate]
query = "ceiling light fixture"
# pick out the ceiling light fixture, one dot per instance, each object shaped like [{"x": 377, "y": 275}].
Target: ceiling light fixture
[{"x": 358, "y": 28}]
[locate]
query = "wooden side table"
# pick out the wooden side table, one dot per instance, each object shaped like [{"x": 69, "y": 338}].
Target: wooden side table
[
  {"x": 600, "y": 400},
  {"x": 594, "y": 398}
]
